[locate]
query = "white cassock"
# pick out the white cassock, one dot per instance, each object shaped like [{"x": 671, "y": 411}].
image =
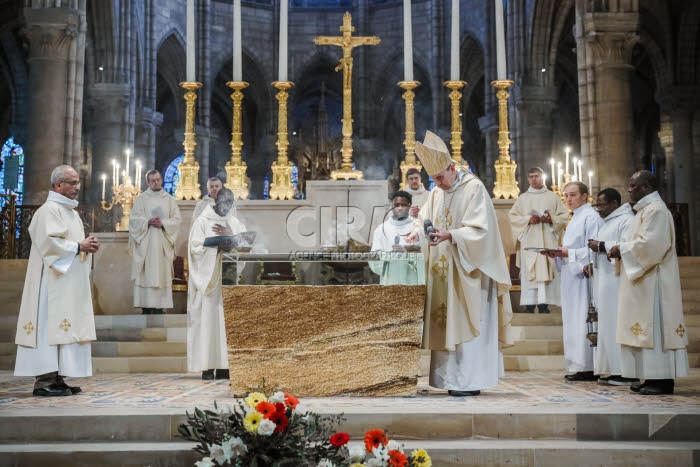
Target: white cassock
[
  {"x": 539, "y": 281},
  {"x": 56, "y": 322},
  {"x": 206, "y": 330},
  {"x": 584, "y": 225},
  {"x": 467, "y": 309},
  {"x": 606, "y": 291},
  {"x": 651, "y": 325},
  {"x": 201, "y": 205},
  {"x": 395, "y": 272},
  {"x": 153, "y": 249}
]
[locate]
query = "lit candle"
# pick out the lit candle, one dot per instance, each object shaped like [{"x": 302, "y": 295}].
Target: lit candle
[
  {"x": 104, "y": 179},
  {"x": 590, "y": 181},
  {"x": 126, "y": 172},
  {"x": 407, "y": 42},
  {"x": 237, "y": 60},
  {"x": 454, "y": 51},
  {"x": 567, "y": 150},
  {"x": 138, "y": 174},
  {"x": 124, "y": 177},
  {"x": 283, "y": 40},
  {"x": 500, "y": 42},
  {"x": 116, "y": 173},
  {"x": 580, "y": 172},
  {"x": 559, "y": 175},
  {"x": 554, "y": 178},
  {"x": 575, "y": 177},
  {"x": 544, "y": 179},
  {"x": 190, "y": 38}
]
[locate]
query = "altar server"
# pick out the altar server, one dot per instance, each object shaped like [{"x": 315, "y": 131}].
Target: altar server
[
  {"x": 414, "y": 187},
  {"x": 214, "y": 184},
  {"x": 56, "y": 323}
]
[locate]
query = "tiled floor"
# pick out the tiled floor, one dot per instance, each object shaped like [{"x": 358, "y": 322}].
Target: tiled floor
[{"x": 545, "y": 392}]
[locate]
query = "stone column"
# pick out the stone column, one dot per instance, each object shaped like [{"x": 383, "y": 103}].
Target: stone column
[
  {"x": 684, "y": 177},
  {"x": 147, "y": 123},
  {"x": 535, "y": 105},
  {"x": 666, "y": 139},
  {"x": 51, "y": 32},
  {"x": 489, "y": 127}
]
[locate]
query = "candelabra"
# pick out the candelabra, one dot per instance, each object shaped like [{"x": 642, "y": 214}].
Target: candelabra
[
  {"x": 188, "y": 187},
  {"x": 456, "y": 142},
  {"x": 505, "y": 185},
  {"x": 123, "y": 193},
  {"x": 410, "y": 162},
  {"x": 281, "y": 186},
  {"x": 236, "y": 168}
]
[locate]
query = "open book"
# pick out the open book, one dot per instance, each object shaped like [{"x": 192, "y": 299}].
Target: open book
[{"x": 241, "y": 241}]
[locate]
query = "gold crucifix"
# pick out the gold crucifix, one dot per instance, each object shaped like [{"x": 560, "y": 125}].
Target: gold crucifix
[{"x": 347, "y": 42}]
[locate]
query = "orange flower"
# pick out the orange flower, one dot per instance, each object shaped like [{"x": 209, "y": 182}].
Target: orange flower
[
  {"x": 291, "y": 401},
  {"x": 375, "y": 437},
  {"x": 266, "y": 408},
  {"x": 397, "y": 459}
]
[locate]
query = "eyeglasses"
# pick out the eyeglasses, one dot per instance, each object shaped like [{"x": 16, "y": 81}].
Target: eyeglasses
[{"x": 71, "y": 183}]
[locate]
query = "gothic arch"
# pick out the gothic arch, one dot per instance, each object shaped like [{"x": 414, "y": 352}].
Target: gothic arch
[
  {"x": 170, "y": 70},
  {"x": 688, "y": 47},
  {"x": 548, "y": 22},
  {"x": 101, "y": 42},
  {"x": 14, "y": 83},
  {"x": 472, "y": 66}
]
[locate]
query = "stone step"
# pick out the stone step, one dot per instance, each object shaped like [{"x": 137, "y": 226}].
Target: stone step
[
  {"x": 7, "y": 362},
  {"x": 13, "y": 269},
  {"x": 533, "y": 362},
  {"x": 154, "y": 364},
  {"x": 522, "y": 333},
  {"x": 691, "y": 295},
  {"x": 443, "y": 453},
  {"x": 7, "y": 349},
  {"x": 143, "y": 335},
  {"x": 140, "y": 321},
  {"x": 692, "y": 320},
  {"x": 536, "y": 347},
  {"x": 139, "y": 349},
  {"x": 536, "y": 319},
  {"x": 9, "y": 321}
]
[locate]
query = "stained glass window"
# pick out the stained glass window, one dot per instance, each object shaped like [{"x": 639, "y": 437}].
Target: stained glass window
[
  {"x": 295, "y": 181},
  {"x": 266, "y": 188},
  {"x": 171, "y": 179},
  {"x": 12, "y": 171}
]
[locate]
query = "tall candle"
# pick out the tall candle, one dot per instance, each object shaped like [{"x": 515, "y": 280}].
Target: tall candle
[
  {"x": 407, "y": 42},
  {"x": 284, "y": 5},
  {"x": 567, "y": 150},
  {"x": 123, "y": 177},
  {"x": 590, "y": 181},
  {"x": 138, "y": 175},
  {"x": 500, "y": 42},
  {"x": 104, "y": 179},
  {"x": 454, "y": 51},
  {"x": 190, "y": 31},
  {"x": 544, "y": 179},
  {"x": 237, "y": 60},
  {"x": 554, "y": 178},
  {"x": 128, "y": 153},
  {"x": 575, "y": 176},
  {"x": 116, "y": 173},
  {"x": 559, "y": 174},
  {"x": 580, "y": 171}
]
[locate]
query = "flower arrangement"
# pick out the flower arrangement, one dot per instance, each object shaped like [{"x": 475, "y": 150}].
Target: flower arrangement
[{"x": 278, "y": 431}]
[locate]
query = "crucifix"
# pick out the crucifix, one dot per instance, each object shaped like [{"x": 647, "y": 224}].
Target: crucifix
[{"x": 347, "y": 42}]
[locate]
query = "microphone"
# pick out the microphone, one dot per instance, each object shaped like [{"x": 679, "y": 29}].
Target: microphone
[
  {"x": 428, "y": 228},
  {"x": 397, "y": 240}
]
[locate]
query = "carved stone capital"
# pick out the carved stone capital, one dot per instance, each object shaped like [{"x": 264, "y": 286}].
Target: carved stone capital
[
  {"x": 50, "y": 32},
  {"x": 612, "y": 49},
  {"x": 109, "y": 99}
]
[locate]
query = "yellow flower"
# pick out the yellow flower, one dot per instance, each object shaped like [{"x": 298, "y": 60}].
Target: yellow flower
[
  {"x": 358, "y": 465},
  {"x": 251, "y": 422},
  {"x": 254, "y": 398},
  {"x": 421, "y": 458}
]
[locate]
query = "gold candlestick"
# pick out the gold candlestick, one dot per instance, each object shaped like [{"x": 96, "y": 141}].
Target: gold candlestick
[
  {"x": 188, "y": 187},
  {"x": 281, "y": 186},
  {"x": 410, "y": 162},
  {"x": 505, "y": 186},
  {"x": 236, "y": 168},
  {"x": 456, "y": 142},
  {"x": 124, "y": 194}
]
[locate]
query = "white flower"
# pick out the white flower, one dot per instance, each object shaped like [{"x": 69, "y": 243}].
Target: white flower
[
  {"x": 381, "y": 453},
  {"x": 394, "y": 445},
  {"x": 325, "y": 463},
  {"x": 376, "y": 463},
  {"x": 301, "y": 409},
  {"x": 217, "y": 453},
  {"x": 234, "y": 447},
  {"x": 276, "y": 397},
  {"x": 266, "y": 427},
  {"x": 206, "y": 462},
  {"x": 356, "y": 453},
  {"x": 225, "y": 409}
]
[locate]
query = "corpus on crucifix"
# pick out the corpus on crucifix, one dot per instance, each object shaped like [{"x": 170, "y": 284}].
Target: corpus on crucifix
[{"x": 347, "y": 42}]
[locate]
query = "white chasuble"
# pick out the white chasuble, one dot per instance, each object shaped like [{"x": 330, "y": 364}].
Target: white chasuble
[
  {"x": 650, "y": 326},
  {"x": 395, "y": 272},
  {"x": 153, "y": 248},
  {"x": 56, "y": 322},
  {"x": 206, "y": 330},
  {"x": 606, "y": 290},
  {"x": 539, "y": 280},
  {"x": 584, "y": 225},
  {"x": 467, "y": 308}
]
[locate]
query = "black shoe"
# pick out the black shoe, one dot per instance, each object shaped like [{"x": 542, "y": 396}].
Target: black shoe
[
  {"x": 222, "y": 374},
  {"x": 636, "y": 387},
  {"x": 208, "y": 375},
  {"x": 157, "y": 311},
  {"x": 52, "y": 390},
  {"x": 463, "y": 393},
  {"x": 622, "y": 381},
  {"x": 582, "y": 376},
  {"x": 147, "y": 311},
  {"x": 543, "y": 311},
  {"x": 61, "y": 383},
  {"x": 529, "y": 309},
  {"x": 657, "y": 387}
]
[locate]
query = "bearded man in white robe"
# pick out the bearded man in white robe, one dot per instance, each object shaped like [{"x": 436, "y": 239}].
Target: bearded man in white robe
[
  {"x": 606, "y": 284},
  {"x": 467, "y": 308},
  {"x": 206, "y": 330},
  {"x": 390, "y": 236},
  {"x": 538, "y": 218},
  {"x": 214, "y": 184},
  {"x": 650, "y": 322},
  {"x": 575, "y": 296},
  {"x": 153, "y": 227},
  {"x": 414, "y": 187},
  {"x": 56, "y": 323}
]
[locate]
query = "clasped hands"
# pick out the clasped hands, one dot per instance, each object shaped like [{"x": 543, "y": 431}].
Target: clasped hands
[
  {"x": 155, "y": 222},
  {"x": 535, "y": 219},
  {"x": 89, "y": 245}
]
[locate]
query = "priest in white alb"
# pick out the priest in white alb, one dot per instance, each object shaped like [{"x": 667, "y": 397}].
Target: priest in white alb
[
  {"x": 56, "y": 323},
  {"x": 538, "y": 218},
  {"x": 414, "y": 187},
  {"x": 605, "y": 275},
  {"x": 214, "y": 184},
  {"x": 467, "y": 308},
  {"x": 206, "y": 330},
  {"x": 650, "y": 322},
  {"x": 153, "y": 227}
]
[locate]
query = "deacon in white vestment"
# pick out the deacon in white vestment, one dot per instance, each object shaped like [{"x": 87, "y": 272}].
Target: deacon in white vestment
[
  {"x": 206, "y": 330},
  {"x": 650, "y": 323},
  {"x": 467, "y": 309},
  {"x": 56, "y": 323},
  {"x": 575, "y": 297},
  {"x": 390, "y": 236},
  {"x": 538, "y": 218},
  {"x": 153, "y": 227},
  {"x": 414, "y": 187},
  {"x": 214, "y": 184},
  {"x": 606, "y": 284}
]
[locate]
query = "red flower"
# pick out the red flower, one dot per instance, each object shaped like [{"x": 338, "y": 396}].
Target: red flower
[
  {"x": 397, "y": 459},
  {"x": 373, "y": 438},
  {"x": 291, "y": 401},
  {"x": 266, "y": 408},
  {"x": 280, "y": 408},
  {"x": 339, "y": 439},
  {"x": 280, "y": 420}
]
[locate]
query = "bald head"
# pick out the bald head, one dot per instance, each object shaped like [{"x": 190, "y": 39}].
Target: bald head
[
  {"x": 65, "y": 181},
  {"x": 224, "y": 202}
]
